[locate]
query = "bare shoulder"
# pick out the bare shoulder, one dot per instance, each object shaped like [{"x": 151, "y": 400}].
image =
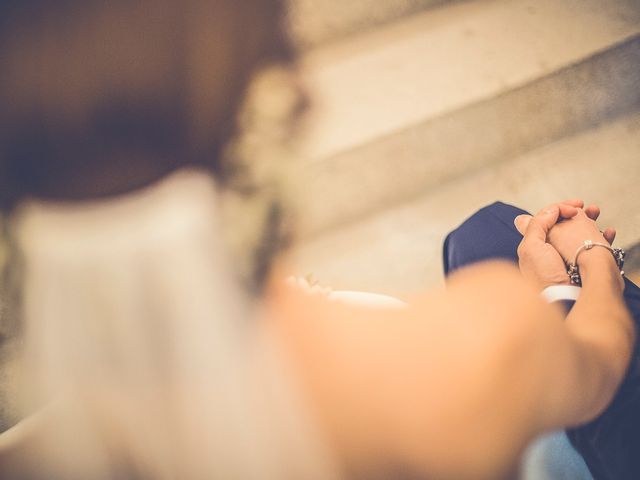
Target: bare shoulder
[
  {"x": 488, "y": 308},
  {"x": 442, "y": 378},
  {"x": 488, "y": 275},
  {"x": 497, "y": 289},
  {"x": 493, "y": 323}
]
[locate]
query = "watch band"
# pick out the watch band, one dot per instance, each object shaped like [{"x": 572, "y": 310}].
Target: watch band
[
  {"x": 555, "y": 293},
  {"x": 564, "y": 295}
]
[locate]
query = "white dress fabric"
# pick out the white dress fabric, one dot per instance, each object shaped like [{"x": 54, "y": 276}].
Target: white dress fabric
[{"x": 141, "y": 342}]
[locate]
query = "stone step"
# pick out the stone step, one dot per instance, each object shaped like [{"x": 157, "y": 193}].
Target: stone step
[
  {"x": 399, "y": 250},
  {"x": 314, "y": 22},
  {"x": 632, "y": 263},
  {"x": 634, "y": 276},
  {"x": 457, "y": 88}
]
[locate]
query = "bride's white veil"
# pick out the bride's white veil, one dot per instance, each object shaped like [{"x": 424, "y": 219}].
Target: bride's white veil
[{"x": 141, "y": 342}]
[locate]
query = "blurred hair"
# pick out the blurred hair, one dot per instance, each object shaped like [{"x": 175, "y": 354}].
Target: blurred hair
[
  {"x": 103, "y": 97},
  {"x": 100, "y": 98}
]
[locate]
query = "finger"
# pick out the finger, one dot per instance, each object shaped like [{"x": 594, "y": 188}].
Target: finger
[
  {"x": 522, "y": 222},
  {"x": 592, "y": 211},
  {"x": 574, "y": 202},
  {"x": 609, "y": 235},
  {"x": 546, "y": 218},
  {"x": 542, "y": 222},
  {"x": 567, "y": 211},
  {"x": 560, "y": 210}
]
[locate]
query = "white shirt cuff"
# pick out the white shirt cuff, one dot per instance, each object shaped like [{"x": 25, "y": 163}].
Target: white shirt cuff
[{"x": 555, "y": 293}]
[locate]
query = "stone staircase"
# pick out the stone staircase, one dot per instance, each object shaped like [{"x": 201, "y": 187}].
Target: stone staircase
[
  {"x": 419, "y": 121},
  {"x": 315, "y": 22}
]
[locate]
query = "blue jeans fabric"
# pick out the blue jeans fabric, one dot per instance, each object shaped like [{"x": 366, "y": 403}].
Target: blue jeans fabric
[{"x": 610, "y": 444}]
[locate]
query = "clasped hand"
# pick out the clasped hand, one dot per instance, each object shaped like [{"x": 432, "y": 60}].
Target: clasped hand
[{"x": 552, "y": 237}]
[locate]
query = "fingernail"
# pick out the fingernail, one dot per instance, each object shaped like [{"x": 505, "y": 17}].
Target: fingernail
[{"x": 517, "y": 220}]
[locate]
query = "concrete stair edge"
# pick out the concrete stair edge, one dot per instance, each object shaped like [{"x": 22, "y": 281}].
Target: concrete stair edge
[
  {"x": 579, "y": 96},
  {"x": 445, "y": 59},
  {"x": 399, "y": 250},
  {"x": 632, "y": 260},
  {"x": 312, "y": 26}
]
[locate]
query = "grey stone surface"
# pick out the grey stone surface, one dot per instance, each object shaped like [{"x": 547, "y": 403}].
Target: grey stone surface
[
  {"x": 460, "y": 89},
  {"x": 399, "y": 250},
  {"x": 443, "y": 60},
  {"x": 9, "y": 414},
  {"x": 632, "y": 262},
  {"x": 314, "y": 22},
  {"x": 397, "y": 167}
]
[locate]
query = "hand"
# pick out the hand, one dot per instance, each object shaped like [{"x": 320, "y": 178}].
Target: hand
[
  {"x": 538, "y": 260},
  {"x": 567, "y": 236}
]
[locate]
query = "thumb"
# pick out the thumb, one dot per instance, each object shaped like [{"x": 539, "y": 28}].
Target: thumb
[
  {"x": 522, "y": 222},
  {"x": 540, "y": 225}
]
